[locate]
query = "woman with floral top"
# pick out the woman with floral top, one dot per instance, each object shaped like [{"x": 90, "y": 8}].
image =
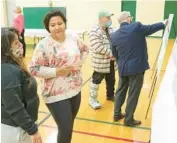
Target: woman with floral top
[{"x": 57, "y": 61}]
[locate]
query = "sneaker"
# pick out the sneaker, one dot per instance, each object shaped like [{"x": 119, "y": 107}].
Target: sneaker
[{"x": 94, "y": 103}]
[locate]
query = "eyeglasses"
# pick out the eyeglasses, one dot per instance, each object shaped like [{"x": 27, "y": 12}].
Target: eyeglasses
[{"x": 130, "y": 17}]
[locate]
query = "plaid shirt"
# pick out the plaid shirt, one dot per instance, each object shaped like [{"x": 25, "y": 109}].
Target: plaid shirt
[{"x": 100, "y": 49}]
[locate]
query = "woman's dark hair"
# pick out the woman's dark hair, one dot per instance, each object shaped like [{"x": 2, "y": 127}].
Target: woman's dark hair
[
  {"x": 51, "y": 14},
  {"x": 7, "y": 37}
]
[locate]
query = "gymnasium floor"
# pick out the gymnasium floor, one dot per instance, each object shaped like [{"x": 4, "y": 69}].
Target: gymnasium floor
[{"x": 98, "y": 126}]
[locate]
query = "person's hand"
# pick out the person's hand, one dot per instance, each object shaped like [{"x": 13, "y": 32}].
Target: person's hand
[
  {"x": 77, "y": 67},
  {"x": 165, "y": 22},
  {"x": 112, "y": 58},
  {"x": 82, "y": 46},
  {"x": 65, "y": 71},
  {"x": 36, "y": 138}
]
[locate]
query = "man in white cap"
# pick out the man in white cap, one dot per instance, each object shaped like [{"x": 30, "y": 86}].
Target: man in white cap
[
  {"x": 130, "y": 51},
  {"x": 102, "y": 60}
]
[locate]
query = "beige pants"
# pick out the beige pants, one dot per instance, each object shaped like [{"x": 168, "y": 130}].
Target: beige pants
[{"x": 11, "y": 134}]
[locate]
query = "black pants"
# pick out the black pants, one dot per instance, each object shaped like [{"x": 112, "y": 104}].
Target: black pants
[
  {"x": 22, "y": 40},
  {"x": 109, "y": 77},
  {"x": 134, "y": 84},
  {"x": 64, "y": 113}
]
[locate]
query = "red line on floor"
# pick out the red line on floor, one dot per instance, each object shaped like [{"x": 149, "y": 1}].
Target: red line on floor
[{"x": 102, "y": 136}]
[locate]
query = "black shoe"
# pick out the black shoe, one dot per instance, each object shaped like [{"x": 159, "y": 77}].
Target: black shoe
[
  {"x": 119, "y": 117},
  {"x": 132, "y": 123},
  {"x": 110, "y": 98}
]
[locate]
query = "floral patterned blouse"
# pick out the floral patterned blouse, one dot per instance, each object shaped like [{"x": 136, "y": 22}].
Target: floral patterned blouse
[{"x": 49, "y": 55}]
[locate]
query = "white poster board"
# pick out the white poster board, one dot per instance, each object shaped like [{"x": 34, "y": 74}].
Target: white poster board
[
  {"x": 174, "y": 88},
  {"x": 164, "y": 113},
  {"x": 164, "y": 44}
]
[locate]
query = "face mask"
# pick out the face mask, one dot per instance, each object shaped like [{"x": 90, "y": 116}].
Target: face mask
[
  {"x": 108, "y": 24},
  {"x": 18, "y": 52}
]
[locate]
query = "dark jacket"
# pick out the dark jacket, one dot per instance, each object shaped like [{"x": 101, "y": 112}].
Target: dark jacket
[
  {"x": 129, "y": 47},
  {"x": 19, "y": 101}
]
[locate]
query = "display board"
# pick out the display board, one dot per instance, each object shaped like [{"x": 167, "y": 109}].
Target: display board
[
  {"x": 164, "y": 44},
  {"x": 33, "y": 16},
  {"x": 164, "y": 113}
]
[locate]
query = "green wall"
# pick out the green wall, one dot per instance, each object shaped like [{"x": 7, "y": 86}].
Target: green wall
[
  {"x": 129, "y": 6},
  {"x": 171, "y": 7},
  {"x": 34, "y": 16}
]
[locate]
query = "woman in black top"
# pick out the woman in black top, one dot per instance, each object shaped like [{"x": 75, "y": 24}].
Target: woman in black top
[{"x": 19, "y": 99}]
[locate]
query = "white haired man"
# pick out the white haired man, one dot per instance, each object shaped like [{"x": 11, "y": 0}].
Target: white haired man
[{"x": 129, "y": 48}]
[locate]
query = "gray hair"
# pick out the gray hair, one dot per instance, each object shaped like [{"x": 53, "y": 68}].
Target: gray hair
[{"x": 123, "y": 16}]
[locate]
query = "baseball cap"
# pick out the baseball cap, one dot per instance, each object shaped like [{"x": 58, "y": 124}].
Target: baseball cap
[{"x": 104, "y": 13}]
